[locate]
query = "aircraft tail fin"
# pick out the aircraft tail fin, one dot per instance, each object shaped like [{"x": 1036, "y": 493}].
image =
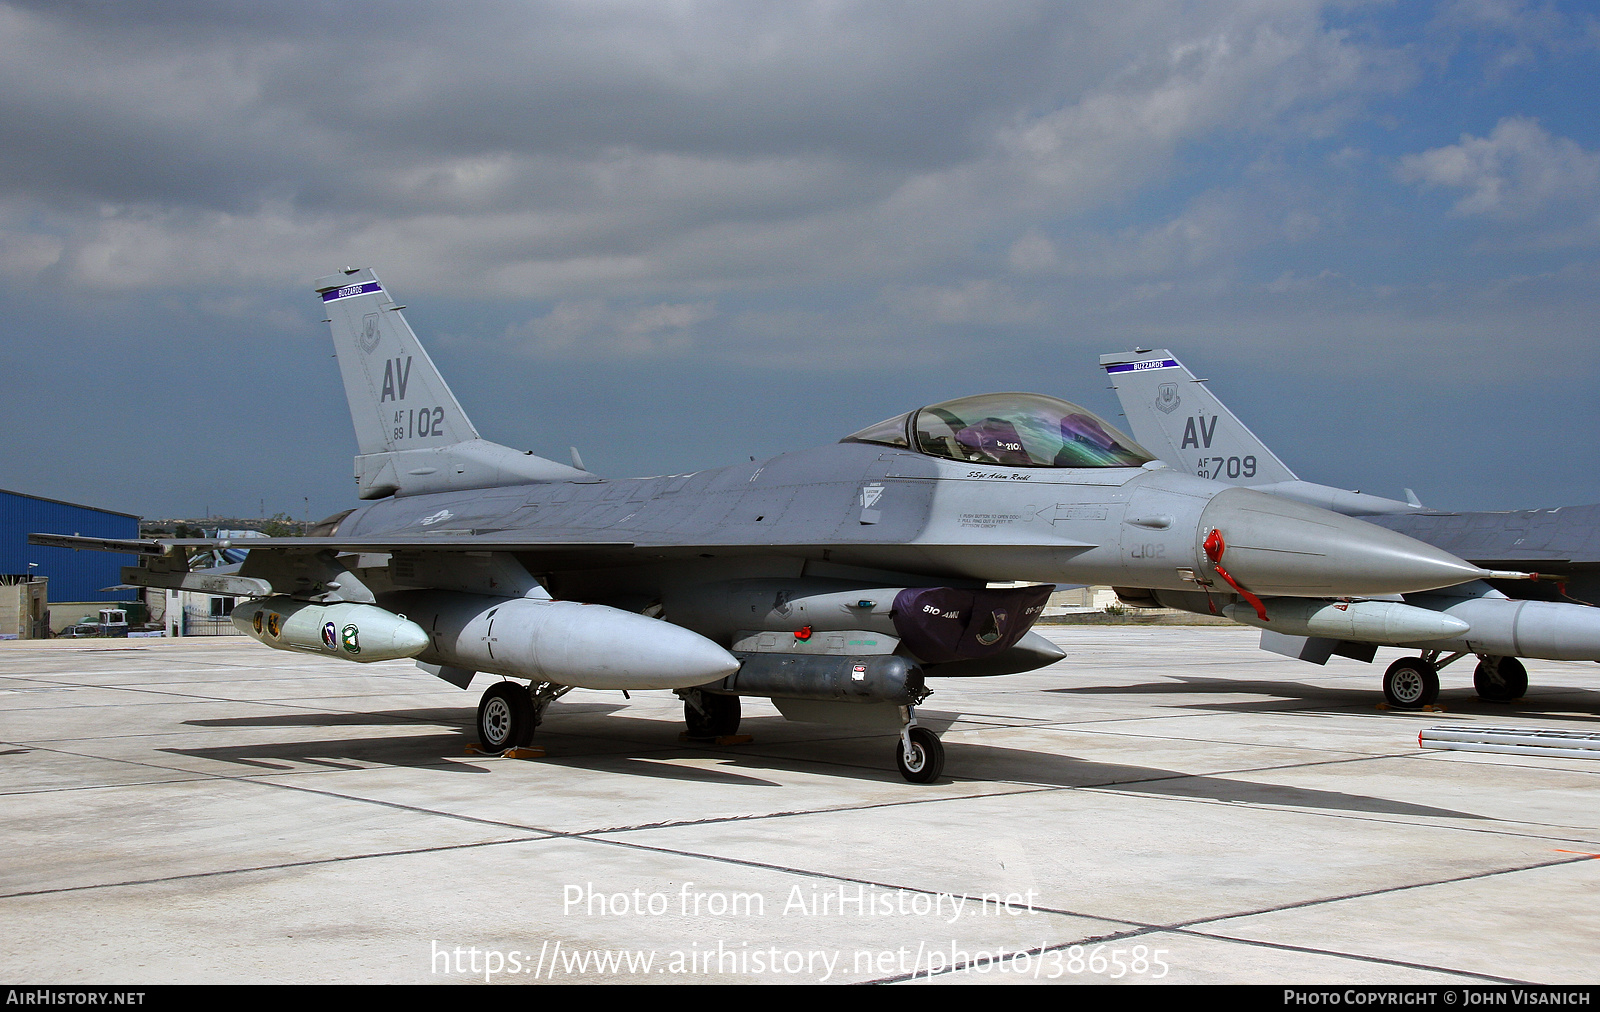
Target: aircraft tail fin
[
  {"x": 412, "y": 436},
  {"x": 1177, "y": 418},
  {"x": 398, "y": 400},
  {"x": 1180, "y": 420}
]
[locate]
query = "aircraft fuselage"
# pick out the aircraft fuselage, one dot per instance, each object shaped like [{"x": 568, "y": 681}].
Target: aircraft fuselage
[{"x": 893, "y": 511}]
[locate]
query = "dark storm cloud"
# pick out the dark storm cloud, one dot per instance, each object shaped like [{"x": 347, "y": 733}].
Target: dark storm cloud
[
  {"x": 870, "y": 205},
  {"x": 543, "y": 148},
  {"x": 329, "y": 104}
]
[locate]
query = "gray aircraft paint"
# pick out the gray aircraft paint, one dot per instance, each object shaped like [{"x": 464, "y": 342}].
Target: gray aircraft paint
[
  {"x": 1167, "y": 407},
  {"x": 853, "y": 504},
  {"x": 1178, "y": 418},
  {"x": 866, "y": 507},
  {"x": 1172, "y": 414},
  {"x": 1502, "y": 627},
  {"x": 411, "y": 434},
  {"x": 473, "y": 540},
  {"x": 1563, "y": 542}
]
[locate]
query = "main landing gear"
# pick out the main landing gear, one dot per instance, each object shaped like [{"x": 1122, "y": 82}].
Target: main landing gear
[
  {"x": 509, "y": 712},
  {"x": 1500, "y": 679},
  {"x": 710, "y": 714},
  {"x": 1412, "y": 683}
]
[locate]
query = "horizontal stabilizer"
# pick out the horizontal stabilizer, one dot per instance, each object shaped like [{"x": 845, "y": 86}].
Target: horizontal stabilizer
[
  {"x": 223, "y": 584},
  {"x": 511, "y": 541},
  {"x": 124, "y": 545}
]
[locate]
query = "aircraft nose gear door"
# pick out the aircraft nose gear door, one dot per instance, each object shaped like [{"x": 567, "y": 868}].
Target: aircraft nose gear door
[{"x": 921, "y": 753}]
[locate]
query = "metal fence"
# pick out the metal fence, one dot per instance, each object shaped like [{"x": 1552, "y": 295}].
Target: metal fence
[{"x": 200, "y": 622}]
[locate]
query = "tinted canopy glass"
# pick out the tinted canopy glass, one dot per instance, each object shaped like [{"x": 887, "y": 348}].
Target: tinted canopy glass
[{"x": 1013, "y": 430}]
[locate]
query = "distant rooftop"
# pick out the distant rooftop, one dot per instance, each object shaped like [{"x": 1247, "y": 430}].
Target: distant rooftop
[{"x": 63, "y": 502}]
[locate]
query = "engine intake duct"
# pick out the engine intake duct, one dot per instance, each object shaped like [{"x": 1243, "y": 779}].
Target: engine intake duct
[{"x": 885, "y": 678}]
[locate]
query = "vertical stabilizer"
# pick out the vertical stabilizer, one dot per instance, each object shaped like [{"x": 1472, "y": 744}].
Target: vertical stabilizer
[
  {"x": 411, "y": 434},
  {"x": 1177, "y": 418},
  {"x": 398, "y": 400}
]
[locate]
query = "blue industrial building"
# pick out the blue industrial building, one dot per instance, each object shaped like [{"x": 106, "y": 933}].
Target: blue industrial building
[{"x": 73, "y": 576}]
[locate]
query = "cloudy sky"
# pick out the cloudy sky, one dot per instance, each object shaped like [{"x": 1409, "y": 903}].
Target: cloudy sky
[{"x": 679, "y": 234}]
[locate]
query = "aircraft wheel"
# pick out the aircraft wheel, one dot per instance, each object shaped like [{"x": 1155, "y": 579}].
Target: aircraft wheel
[
  {"x": 927, "y": 757},
  {"x": 1500, "y": 679},
  {"x": 721, "y": 716},
  {"x": 505, "y": 717},
  {"x": 1410, "y": 683}
]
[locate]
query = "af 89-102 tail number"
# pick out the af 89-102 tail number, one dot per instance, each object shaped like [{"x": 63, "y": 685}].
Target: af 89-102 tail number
[{"x": 418, "y": 422}]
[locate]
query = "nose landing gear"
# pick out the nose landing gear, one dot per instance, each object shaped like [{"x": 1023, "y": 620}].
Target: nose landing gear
[{"x": 920, "y": 755}]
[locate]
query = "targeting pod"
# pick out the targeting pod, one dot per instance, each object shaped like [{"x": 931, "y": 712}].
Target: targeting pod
[
  {"x": 884, "y": 678},
  {"x": 354, "y": 632},
  {"x": 939, "y": 625}
]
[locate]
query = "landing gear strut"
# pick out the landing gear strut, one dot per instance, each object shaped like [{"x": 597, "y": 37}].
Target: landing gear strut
[
  {"x": 509, "y": 712},
  {"x": 709, "y": 714},
  {"x": 920, "y": 754},
  {"x": 1500, "y": 679}
]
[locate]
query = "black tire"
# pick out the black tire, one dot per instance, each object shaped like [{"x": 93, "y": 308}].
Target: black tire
[
  {"x": 1500, "y": 679},
  {"x": 927, "y": 764},
  {"x": 505, "y": 717},
  {"x": 1410, "y": 683},
  {"x": 721, "y": 716}
]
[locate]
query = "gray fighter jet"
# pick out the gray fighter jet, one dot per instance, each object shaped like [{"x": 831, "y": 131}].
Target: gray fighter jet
[
  {"x": 1184, "y": 423},
  {"x": 836, "y": 581}
]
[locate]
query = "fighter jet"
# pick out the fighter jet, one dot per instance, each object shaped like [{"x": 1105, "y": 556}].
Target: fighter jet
[
  {"x": 837, "y": 581},
  {"x": 1186, "y": 425}
]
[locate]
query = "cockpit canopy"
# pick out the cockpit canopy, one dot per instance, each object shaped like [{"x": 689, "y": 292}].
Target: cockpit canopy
[{"x": 1012, "y": 430}]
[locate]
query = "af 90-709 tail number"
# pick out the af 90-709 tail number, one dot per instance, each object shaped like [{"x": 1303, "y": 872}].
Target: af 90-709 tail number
[{"x": 1232, "y": 467}]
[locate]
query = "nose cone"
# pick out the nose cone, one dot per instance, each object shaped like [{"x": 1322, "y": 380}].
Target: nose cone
[
  {"x": 409, "y": 639},
  {"x": 364, "y": 632},
  {"x": 599, "y": 647},
  {"x": 684, "y": 657},
  {"x": 1283, "y": 548}
]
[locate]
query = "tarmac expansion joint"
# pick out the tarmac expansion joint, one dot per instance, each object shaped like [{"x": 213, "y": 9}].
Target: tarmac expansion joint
[
  {"x": 524, "y": 752},
  {"x": 723, "y": 739}
]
